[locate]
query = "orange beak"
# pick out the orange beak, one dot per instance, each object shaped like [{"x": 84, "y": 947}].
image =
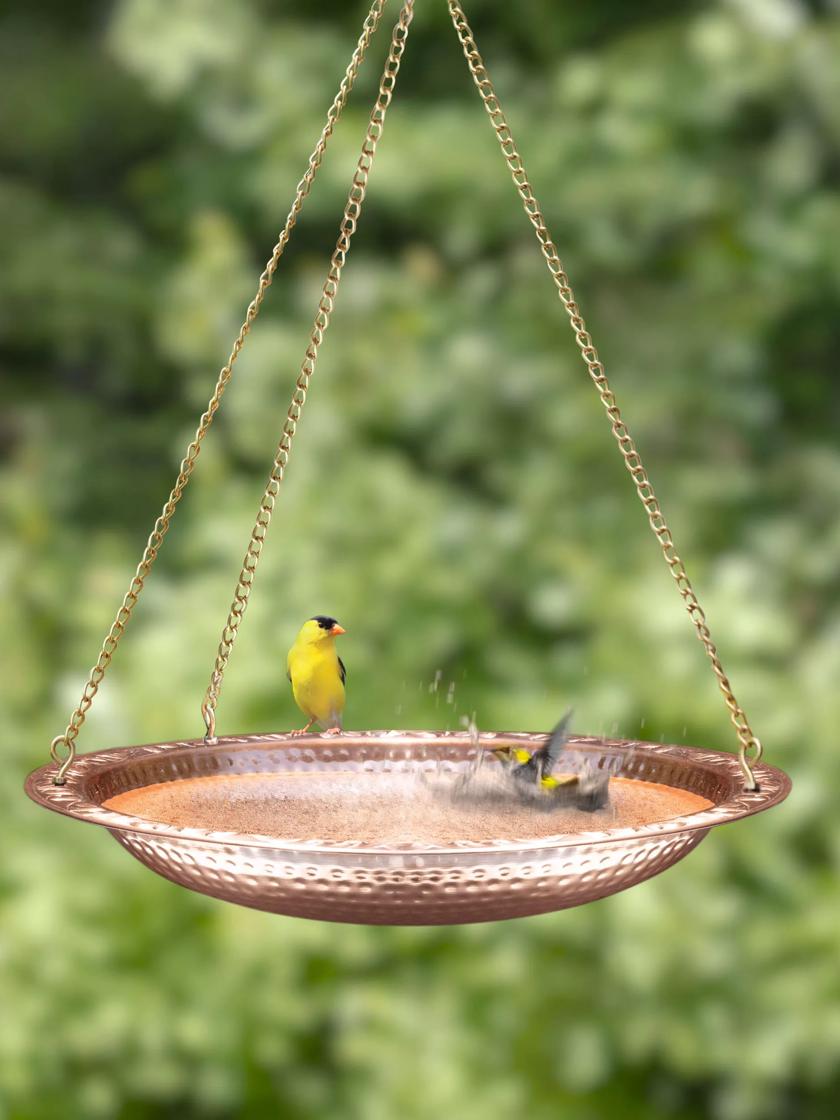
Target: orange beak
[{"x": 336, "y": 630}]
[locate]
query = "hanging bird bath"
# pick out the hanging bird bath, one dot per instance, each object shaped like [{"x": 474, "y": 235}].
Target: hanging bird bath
[
  {"x": 344, "y": 828},
  {"x": 331, "y": 828}
]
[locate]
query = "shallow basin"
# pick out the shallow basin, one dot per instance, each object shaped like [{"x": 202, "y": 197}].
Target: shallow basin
[{"x": 347, "y": 828}]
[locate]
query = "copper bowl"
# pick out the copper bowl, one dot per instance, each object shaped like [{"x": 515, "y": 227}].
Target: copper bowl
[{"x": 417, "y": 883}]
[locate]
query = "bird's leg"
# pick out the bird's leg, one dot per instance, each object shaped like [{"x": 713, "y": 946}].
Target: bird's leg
[
  {"x": 333, "y": 730},
  {"x": 302, "y": 730}
]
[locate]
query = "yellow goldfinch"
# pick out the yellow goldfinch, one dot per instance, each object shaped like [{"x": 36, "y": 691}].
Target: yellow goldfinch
[
  {"x": 526, "y": 776},
  {"x": 317, "y": 674},
  {"x": 535, "y": 769},
  {"x": 531, "y": 774}
]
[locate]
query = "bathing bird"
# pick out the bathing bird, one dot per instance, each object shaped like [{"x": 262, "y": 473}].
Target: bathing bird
[
  {"x": 317, "y": 674},
  {"x": 532, "y": 774},
  {"x": 526, "y": 777},
  {"x": 535, "y": 769}
]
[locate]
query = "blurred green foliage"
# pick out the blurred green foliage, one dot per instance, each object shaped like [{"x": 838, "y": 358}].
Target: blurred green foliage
[{"x": 456, "y": 500}]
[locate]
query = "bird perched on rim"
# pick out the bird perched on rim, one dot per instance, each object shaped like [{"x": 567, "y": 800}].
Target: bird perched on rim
[{"x": 317, "y": 674}]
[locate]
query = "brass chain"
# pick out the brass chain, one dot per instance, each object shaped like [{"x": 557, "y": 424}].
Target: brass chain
[
  {"x": 349, "y": 221},
  {"x": 67, "y": 740},
  {"x": 749, "y": 745}
]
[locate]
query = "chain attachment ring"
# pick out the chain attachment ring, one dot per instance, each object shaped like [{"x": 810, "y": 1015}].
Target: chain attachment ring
[
  {"x": 209, "y": 716},
  {"x": 63, "y": 762}
]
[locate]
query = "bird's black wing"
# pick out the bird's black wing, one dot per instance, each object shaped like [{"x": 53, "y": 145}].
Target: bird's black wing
[
  {"x": 543, "y": 761},
  {"x": 552, "y": 750},
  {"x": 342, "y": 672}
]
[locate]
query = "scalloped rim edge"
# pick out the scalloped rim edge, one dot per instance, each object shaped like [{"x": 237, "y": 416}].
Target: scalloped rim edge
[{"x": 71, "y": 799}]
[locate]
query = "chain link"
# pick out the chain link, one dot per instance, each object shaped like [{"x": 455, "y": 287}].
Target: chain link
[
  {"x": 349, "y": 221},
  {"x": 63, "y": 747},
  {"x": 749, "y": 746}
]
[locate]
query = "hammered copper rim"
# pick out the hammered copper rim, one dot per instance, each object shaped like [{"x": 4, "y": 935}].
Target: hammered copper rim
[{"x": 718, "y": 774}]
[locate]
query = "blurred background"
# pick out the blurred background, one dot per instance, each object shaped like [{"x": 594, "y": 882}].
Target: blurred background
[{"x": 456, "y": 500}]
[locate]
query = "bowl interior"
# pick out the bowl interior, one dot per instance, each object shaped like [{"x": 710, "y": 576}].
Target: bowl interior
[{"x": 388, "y": 791}]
